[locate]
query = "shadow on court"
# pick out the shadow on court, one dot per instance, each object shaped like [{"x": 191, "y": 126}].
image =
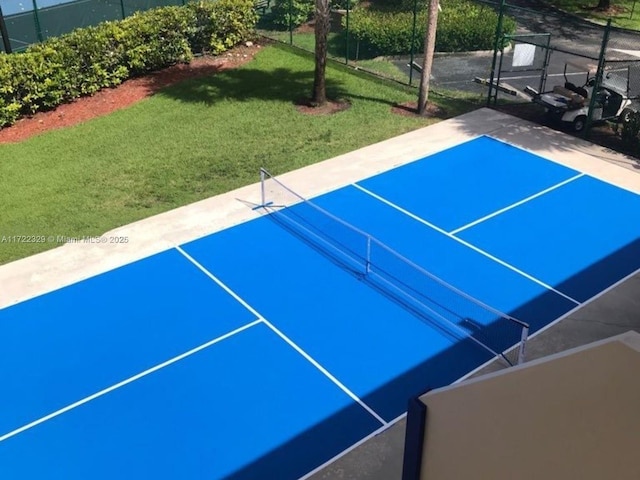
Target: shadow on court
[
  {"x": 311, "y": 448},
  {"x": 548, "y": 141},
  {"x": 292, "y": 459},
  {"x": 603, "y": 274}
]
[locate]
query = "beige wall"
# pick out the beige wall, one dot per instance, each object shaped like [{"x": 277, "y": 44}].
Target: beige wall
[{"x": 575, "y": 415}]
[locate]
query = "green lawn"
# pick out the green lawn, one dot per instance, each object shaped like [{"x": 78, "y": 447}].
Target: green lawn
[
  {"x": 337, "y": 47},
  {"x": 191, "y": 141},
  {"x": 623, "y": 13}
]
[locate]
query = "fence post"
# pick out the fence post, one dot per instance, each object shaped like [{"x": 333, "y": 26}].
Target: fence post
[
  {"x": 36, "y": 20},
  {"x": 413, "y": 39},
  {"x": 346, "y": 40},
  {"x": 263, "y": 201},
  {"x": 5, "y": 33},
  {"x": 598, "y": 79},
  {"x": 496, "y": 45},
  {"x": 122, "y": 9}
]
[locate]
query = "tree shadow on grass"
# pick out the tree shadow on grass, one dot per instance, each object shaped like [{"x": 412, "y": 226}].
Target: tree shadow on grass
[{"x": 250, "y": 83}]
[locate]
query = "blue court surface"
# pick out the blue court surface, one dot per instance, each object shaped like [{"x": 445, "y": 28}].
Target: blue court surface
[{"x": 256, "y": 353}]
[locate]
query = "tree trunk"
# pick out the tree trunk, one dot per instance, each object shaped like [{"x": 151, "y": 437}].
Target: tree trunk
[
  {"x": 319, "y": 96},
  {"x": 603, "y": 4},
  {"x": 429, "y": 48}
]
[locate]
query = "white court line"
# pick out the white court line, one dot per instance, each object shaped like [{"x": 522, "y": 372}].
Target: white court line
[
  {"x": 557, "y": 320},
  {"x": 219, "y": 282},
  {"x": 325, "y": 372},
  {"x": 465, "y": 243},
  {"x": 291, "y": 343},
  {"x": 128, "y": 380},
  {"x": 466, "y": 376},
  {"x": 516, "y": 204},
  {"x": 354, "y": 446},
  {"x": 585, "y": 303}
]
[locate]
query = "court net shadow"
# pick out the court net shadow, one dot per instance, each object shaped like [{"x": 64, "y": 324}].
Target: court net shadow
[{"x": 318, "y": 444}]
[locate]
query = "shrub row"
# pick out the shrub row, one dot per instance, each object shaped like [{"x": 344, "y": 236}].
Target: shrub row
[
  {"x": 462, "y": 26},
  {"x": 89, "y": 59},
  {"x": 291, "y": 13},
  {"x": 287, "y": 14}
]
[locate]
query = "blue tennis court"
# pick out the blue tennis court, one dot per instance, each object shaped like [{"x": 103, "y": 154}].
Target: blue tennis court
[{"x": 266, "y": 349}]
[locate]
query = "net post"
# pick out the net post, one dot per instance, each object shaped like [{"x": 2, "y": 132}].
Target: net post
[
  {"x": 523, "y": 344},
  {"x": 368, "y": 263},
  {"x": 262, "y": 194}
]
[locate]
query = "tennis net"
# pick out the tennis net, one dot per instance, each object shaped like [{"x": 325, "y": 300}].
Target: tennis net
[{"x": 443, "y": 306}]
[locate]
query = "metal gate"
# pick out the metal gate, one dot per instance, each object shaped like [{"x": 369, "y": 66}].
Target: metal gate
[{"x": 520, "y": 53}]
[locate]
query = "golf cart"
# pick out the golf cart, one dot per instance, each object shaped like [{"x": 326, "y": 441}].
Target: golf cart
[{"x": 570, "y": 104}]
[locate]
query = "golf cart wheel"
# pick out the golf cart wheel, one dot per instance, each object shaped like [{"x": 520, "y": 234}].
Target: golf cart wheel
[
  {"x": 579, "y": 123},
  {"x": 625, "y": 116}
]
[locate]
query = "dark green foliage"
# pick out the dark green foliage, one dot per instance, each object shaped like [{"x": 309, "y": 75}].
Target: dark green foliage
[
  {"x": 89, "y": 59},
  {"x": 462, "y": 26},
  {"x": 630, "y": 133},
  {"x": 291, "y": 13},
  {"x": 218, "y": 26},
  {"x": 342, "y": 4}
]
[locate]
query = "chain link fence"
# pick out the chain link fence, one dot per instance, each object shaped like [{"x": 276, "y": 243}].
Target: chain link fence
[
  {"x": 542, "y": 63},
  {"x": 38, "y": 24}
]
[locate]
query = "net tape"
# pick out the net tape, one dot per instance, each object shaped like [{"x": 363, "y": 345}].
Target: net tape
[{"x": 444, "y": 307}]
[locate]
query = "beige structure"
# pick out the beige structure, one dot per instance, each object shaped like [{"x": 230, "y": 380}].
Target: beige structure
[{"x": 574, "y": 415}]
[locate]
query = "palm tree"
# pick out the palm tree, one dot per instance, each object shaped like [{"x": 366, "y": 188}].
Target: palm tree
[{"x": 319, "y": 95}]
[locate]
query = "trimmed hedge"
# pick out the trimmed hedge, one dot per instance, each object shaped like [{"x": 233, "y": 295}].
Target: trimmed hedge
[
  {"x": 462, "y": 26},
  {"x": 89, "y": 59},
  {"x": 287, "y": 14},
  {"x": 291, "y": 13}
]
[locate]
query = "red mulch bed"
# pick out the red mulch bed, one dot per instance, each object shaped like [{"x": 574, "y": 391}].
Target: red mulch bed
[
  {"x": 130, "y": 92},
  {"x": 410, "y": 109},
  {"x": 303, "y": 106}
]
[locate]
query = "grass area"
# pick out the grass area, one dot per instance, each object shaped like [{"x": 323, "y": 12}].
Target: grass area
[
  {"x": 623, "y": 13},
  {"x": 336, "y": 49},
  {"x": 336, "y": 42},
  {"x": 191, "y": 141}
]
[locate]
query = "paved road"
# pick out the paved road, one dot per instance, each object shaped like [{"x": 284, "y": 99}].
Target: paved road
[{"x": 567, "y": 33}]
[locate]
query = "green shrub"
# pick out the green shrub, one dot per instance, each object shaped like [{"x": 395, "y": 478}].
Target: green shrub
[
  {"x": 342, "y": 4},
  {"x": 233, "y": 21},
  {"x": 291, "y": 13},
  {"x": 462, "y": 26},
  {"x": 25, "y": 84},
  {"x": 89, "y": 59},
  {"x": 82, "y": 62},
  {"x": 155, "y": 39},
  {"x": 215, "y": 27}
]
